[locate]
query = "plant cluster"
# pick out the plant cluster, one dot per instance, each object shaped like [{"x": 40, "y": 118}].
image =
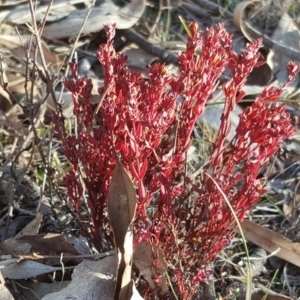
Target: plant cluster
[{"x": 147, "y": 124}]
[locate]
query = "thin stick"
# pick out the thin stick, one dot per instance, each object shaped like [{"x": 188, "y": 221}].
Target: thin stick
[
  {"x": 99, "y": 105},
  {"x": 75, "y": 44}
]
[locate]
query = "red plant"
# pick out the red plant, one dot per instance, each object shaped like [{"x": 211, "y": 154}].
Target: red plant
[{"x": 148, "y": 124}]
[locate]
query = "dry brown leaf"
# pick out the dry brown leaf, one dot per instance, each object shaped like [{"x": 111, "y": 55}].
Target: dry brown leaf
[
  {"x": 26, "y": 269},
  {"x": 29, "y": 288},
  {"x": 16, "y": 82},
  {"x": 2, "y": 280},
  {"x": 262, "y": 75},
  {"x": 121, "y": 212},
  {"x": 15, "y": 78},
  {"x": 11, "y": 121},
  {"x": 107, "y": 12},
  {"x": 15, "y": 247},
  {"x": 270, "y": 296},
  {"x": 80, "y": 243},
  {"x": 20, "y": 14},
  {"x": 287, "y": 34},
  {"x": 5, "y": 294},
  {"x": 137, "y": 58},
  {"x": 283, "y": 48},
  {"x": 33, "y": 227},
  {"x": 49, "y": 244},
  {"x": 14, "y": 44},
  {"x": 121, "y": 203},
  {"x": 238, "y": 14},
  {"x": 143, "y": 260},
  {"x": 93, "y": 280},
  {"x": 43, "y": 244},
  {"x": 288, "y": 209},
  {"x": 272, "y": 242},
  {"x": 5, "y": 103}
]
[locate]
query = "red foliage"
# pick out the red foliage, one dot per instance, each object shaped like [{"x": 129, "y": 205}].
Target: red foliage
[{"x": 148, "y": 125}]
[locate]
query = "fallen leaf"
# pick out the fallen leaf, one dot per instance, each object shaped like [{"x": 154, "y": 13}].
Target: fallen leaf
[
  {"x": 143, "y": 260},
  {"x": 238, "y": 16},
  {"x": 26, "y": 269},
  {"x": 5, "y": 102},
  {"x": 14, "y": 44},
  {"x": 20, "y": 14},
  {"x": 32, "y": 228},
  {"x": 50, "y": 244},
  {"x": 5, "y": 293},
  {"x": 68, "y": 105},
  {"x": 286, "y": 34},
  {"x": 107, "y": 12},
  {"x": 272, "y": 242},
  {"x": 79, "y": 243},
  {"x": 137, "y": 58},
  {"x": 93, "y": 280},
  {"x": 269, "y": 295},
  {"x": 31, "y": 289},
  {"x": 42, "y": 244},
  {"x": 15, "y": 247},
  {"x": 121, "y": 211}
]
